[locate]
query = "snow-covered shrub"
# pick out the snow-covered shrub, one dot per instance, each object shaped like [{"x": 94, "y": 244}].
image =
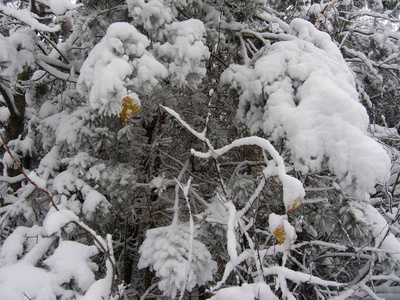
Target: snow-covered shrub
[
  {"x": 184, "y": 53},
  {"x": 166, "y": 250},
  {"x": 153, "y": 15},
  {"x": 246, "y": 207}
]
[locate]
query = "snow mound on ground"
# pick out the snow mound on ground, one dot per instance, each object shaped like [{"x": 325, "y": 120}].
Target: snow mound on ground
[{"x": 302, "y": 91}]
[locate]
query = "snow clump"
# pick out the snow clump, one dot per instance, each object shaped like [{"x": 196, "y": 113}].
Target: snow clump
[
  {"x": 302, "y": 91},
  {"x": 166, "y": 250},
  {"x": 120, "y": 62}
]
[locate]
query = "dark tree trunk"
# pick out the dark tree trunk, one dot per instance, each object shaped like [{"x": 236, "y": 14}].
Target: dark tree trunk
[{"x": 15, "y": 101}]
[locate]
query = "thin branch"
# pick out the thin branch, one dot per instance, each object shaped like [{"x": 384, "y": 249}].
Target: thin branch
[{"x": 321, "y": 16}]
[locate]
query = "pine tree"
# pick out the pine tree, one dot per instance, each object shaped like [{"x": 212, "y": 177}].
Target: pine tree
[{"x": 199, "y": 148}]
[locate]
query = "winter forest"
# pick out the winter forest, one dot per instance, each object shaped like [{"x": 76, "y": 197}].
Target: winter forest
[{"x": 199, "y": 149}]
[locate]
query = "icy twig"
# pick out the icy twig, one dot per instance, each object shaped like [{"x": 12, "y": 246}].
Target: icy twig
[
  {"x": 185, "y": 190},
  {"x": 202, "y": 137},
  {"x": 321, "y": 16}
]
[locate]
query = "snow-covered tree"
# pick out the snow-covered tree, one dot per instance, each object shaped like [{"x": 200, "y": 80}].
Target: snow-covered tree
[{"x": 212, "y": 149}]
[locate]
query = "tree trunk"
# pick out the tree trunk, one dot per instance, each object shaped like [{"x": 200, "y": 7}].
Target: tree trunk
[{"x": 15, "y": 102}]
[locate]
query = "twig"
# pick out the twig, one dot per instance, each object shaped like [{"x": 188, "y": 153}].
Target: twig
[
  {"x": 27, "y": 296},
  {"x": 318, "y": 24}
]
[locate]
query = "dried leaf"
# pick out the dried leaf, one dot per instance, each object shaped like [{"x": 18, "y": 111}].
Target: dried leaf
[
  {"x": 291, "y": 206},
  {"x": 282, "y": 230},
  {"x": 130, "y": 105},
  {"x": 280, "y": 234}
]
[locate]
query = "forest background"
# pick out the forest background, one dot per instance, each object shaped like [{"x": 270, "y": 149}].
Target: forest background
[{"x": 195, "y": 149}]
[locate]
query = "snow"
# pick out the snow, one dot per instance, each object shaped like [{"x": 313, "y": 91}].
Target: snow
[
  {"x": 293, "y": 192},
  {"x": 380, "y": 227},
  {"x": 93, "y": 202},
  {"x": 281, "y": 228},
  {"x": 260, "y": 291},
  {"x": 149, "y": 72},
  {"x": 20, "y": 253},
  {"x": 37, "y": 180},
  {"x": 98, "y": 290},
  {"x": 383, "y": 132},
  {"x": 59, "y": 7},
  {"x": 303, "y": 91},
  {"x": 230, "y": 233},
  {"x": 166, "y": 250},
  {"x": 47, "y": 109},
  {"x": 118, "y": 63},
  {"x": 159, "y": 183},
  {"x": 71, "y": 261},
  {"x": 152, "y": 15},
  {"x": 26, "y": 17},
  {"x": 65, "y": 127},
  {"x": 22, "y": 279},
  {"x": 24, "y": 146},
  {"x": 4, "y": 114},
  {"x": 299, "y": 277},
  {"x": 22, "y": 274},
  {"x": 13, "y": 246},
  {"x": 64, "y": 183},
  {"x": 49, "y": 162},
  {"x": 215, "y": 212},
  {"x": 184, "y": 53},
  {"x": 16, "y": 52},
  {"x": 56, "y": 220}
]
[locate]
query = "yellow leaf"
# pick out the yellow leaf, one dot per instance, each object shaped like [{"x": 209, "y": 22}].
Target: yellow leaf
[
  {"x": 280, "y": 234},
  {"x": 282, "y": 230},
  {"x": 130, "y": 105},
  {"x": 293, "y": 204}
]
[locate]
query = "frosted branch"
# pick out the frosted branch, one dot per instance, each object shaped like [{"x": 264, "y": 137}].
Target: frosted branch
[
  {"x": 299, "y": 277},
  {"x": 56, "y": 73},
  {"x": 27, "y": 18}
]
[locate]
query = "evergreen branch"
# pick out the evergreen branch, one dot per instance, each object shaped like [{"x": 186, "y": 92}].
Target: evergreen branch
[
  {"x": 26, "y": 176},
  {"x": 26, "y": 18},
  {"x": 79, "y": 224}
]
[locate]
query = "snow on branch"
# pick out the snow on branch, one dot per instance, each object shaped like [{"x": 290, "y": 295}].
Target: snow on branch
[
  {"x": 299, "y": 277},
  {"x": 56, "y": 73},
  {"x": 27, "y": 18},
  {"x": 293, "y": 190},
  {"x": 364, "y": 59}
]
